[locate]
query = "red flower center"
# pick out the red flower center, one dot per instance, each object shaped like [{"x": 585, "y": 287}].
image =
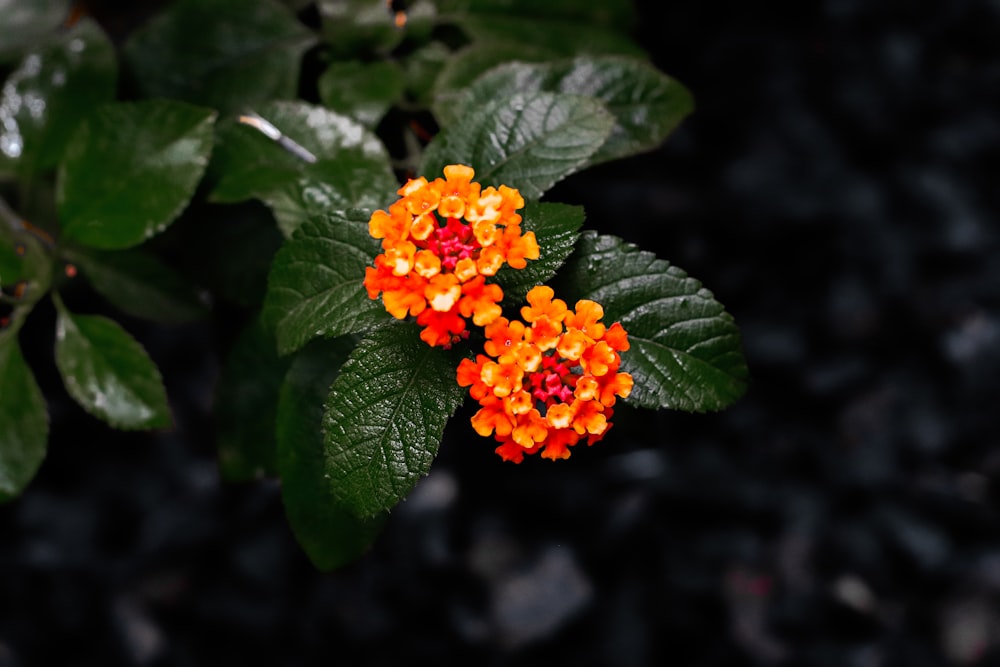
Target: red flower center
[
  {"x": 553, "y": 382},
  {"x": 451, "y": 242}
]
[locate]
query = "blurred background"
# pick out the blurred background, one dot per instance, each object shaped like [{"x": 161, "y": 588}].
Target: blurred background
[{"x": 836, "y": 188}]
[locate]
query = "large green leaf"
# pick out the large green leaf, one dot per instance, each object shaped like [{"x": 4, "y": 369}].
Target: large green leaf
[
  {"x": 529, "y": 141},
  {"x": 555, "y": 227},
  {"x": 130, "y": 170},
  {"x": 226, "y": 54},
  {"x": 27, "y": 24},
  {"x": 108, "y": 373},
  {"x": 462, "y": 67},
  {"x": 385, "y": 416},
  {"x": 245, "y": 406},
  {"x": 350, "y": 168},
  {"x": 331, "y": 185},
  {"x": 52, "y": 90},
  {"x": 247, "y": 161},
  {"x": 329, "y": 533},
  {"x": 685, "y": 348},
  {"x": 363, "y": 91},
  {"x": 316, "y": 287},
  {"x": 646, "y": 104},
  {"x": 24, "y": 421},
  {"x": 139, "y": 284}
]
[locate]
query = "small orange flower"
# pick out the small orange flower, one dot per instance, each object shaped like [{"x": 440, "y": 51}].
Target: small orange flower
[
  {"x": 545, "y": 385},
  {"x": 440, "y": 242}
]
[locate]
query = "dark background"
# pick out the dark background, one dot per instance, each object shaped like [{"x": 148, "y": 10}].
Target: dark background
[{"x": 837, "y": 190}]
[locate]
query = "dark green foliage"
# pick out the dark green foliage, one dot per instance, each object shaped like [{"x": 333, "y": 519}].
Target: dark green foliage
[{"x": 233, "y": 142}]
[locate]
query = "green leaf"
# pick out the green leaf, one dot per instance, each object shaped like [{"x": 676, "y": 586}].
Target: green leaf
[
  {"x": 108, "y": 373},
  {"x": 498, "y": 39},
  {"x": 329, "y": 533},
  {"x": 226, "y": 54},
  {"x": 11, "y": 262},
  {"x": 685, "y": 348},
  {"x": 316, "y": 286},
  {"x": 385, "y": 416},
  {"x": 567, "y": 38},
  {"x": 465, "y": 65},
  {"x": 359, "y": 26},
  {"x": 54, "y": 88},
  {"x": 24, "y": 257},
  {"x": 130, "y": 170},
  {"x": 26, "y": 267},
  {"x": 351, "y": 168},
  {"x": 13, "y": 251},
  {"x": 245, "y": 405},
  {"x": 248, "y": 162},
  {"x": 139, "y": 284},
  {"x": 24, "y": 422},
  {"x": 529, "y": 142},
  {"x": 556, "y": 228},
  {"x": 363, "y": 91},
  {"x": 331, "y": 185},
  {"x": 646, "y": 104},
  {"x": 422, "y": 68},
  {"x": 27, "y": 24}
]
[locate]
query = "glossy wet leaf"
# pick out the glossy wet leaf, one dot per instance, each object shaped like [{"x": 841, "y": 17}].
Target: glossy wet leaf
[
  {"x": 108, "y": 373},
  {"x": 245, "y": 406},
  {"x": 330, "y": 534},
  {"x": 24, "y": 421},
  {"x": 645, "y": 103},
  {"x": 331, "y": 185},
  {"x": 27, "y": 25},
  {"x": 556, "y": 228},
  {"x": 529, "y": 142},
  {"x": 130, "y": 170},
  {"x": 351, "y": 165},
  {"x": 139, "y": 284},
  {"x": 685, "y": 348},
  {"x": 385, "y": 416},
  {"x": 226, "y": 54},
  {"x": 363, "y": 91},
  {"x": 51, "y": 91},
  {"x": 316, "y": 286},
  {"x": 246, "y": 160},
  {"x": 465, "y": 65}
]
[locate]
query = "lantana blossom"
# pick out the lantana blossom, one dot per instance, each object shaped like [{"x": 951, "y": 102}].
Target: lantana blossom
[
  {"x": 441, "y": 241},
  {"x": 549, "y": 381}
]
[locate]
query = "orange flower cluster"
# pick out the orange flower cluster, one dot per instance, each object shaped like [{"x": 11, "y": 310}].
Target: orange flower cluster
[
  {"x": 547, "y": 382},
  {"x": 441, "y": 241}
]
